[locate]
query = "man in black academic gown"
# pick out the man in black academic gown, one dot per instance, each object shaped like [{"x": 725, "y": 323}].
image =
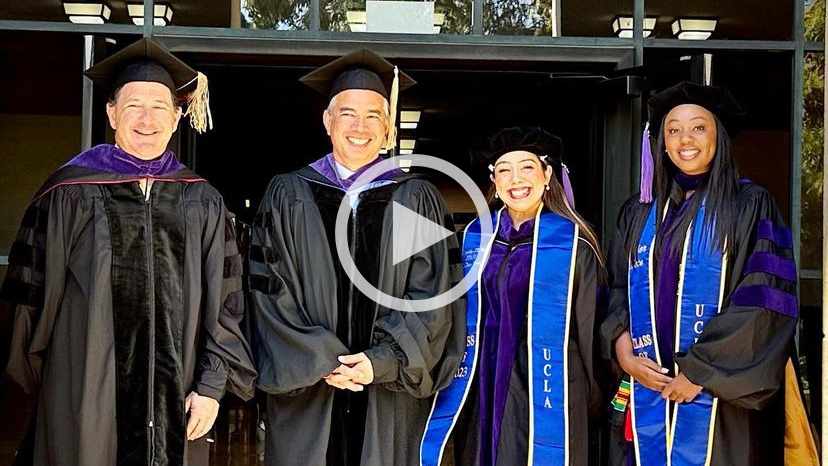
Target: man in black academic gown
[
  {"x": 125, "y": 285},
  {"x": 349, "y": 382}
]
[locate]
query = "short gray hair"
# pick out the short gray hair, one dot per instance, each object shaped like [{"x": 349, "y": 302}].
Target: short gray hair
[{"x": 385, "y": 106}]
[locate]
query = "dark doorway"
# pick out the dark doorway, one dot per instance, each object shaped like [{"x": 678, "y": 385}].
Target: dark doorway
[{"x": 268, "y": 123}]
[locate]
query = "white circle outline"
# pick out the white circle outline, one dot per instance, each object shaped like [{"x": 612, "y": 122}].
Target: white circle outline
[{"x": 341, "y": 233}]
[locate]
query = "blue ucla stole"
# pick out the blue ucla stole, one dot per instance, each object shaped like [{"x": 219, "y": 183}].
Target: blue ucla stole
[
  {"x": 687, "y": 438},
  {"x": 553, "y": 264},
  {"x": 449, "y": 401}
]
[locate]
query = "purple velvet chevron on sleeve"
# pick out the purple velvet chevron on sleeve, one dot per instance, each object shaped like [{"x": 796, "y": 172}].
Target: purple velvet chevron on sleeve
[
  {"x": 768, "y": 297},
  {"x": 767, "y": 262},
  {"x": 779, "y": 235}
]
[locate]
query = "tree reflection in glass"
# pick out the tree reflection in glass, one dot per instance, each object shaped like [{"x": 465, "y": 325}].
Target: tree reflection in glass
[
  {"x": 295, "y": 14},
  {"x": 812, "y": 140},
  {"x": 519, "y": 17}
]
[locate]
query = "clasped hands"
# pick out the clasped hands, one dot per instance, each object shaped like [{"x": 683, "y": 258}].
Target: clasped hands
[
  {"x": 354, "y": 373},
  {"x": 647, "y": 372}
]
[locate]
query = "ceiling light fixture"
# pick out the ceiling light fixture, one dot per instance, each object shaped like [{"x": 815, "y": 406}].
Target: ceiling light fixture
[
  {"x": 356, "y": 21},
  {"x": 407, "y": 144},
  {"x": 693, "y": 28},
  {"x": 161, "y": 15},
  {"x": 409, "y": 119},
  {"x": 622, "y": 26},
  {"x": 87, "y": 13}
]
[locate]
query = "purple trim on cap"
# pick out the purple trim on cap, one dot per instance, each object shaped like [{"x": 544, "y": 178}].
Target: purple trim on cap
[
  {"x": 778, "y": 235},
  {"x": 646, "y": 183},
  {"x": 766, "y": 262},
  {"x": 767, "y": 297}
]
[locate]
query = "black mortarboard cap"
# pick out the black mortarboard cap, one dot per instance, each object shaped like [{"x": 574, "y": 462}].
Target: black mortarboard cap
[
  {"x": 362, "y": 69},
  {"x": 146, "y": 60},
  {"x": 718, "y": 100},
  {"x": 528, "y": 138},
  {"x": 536, "y": 140}
]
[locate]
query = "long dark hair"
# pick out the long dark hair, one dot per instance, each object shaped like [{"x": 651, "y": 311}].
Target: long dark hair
[
  {"x": 719, "y": 191},
  {"x": 554, "y": 201}
]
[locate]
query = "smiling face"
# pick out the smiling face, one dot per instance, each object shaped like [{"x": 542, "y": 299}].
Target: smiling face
[
  {"x": 356, "y": 121},
  {"x": 520, "y": 180},
  {"x": 144, "y": 118},
  {"x": 690, "y": 138}
]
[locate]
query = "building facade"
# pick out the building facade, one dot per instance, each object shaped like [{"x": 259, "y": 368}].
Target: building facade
[{"x": 580, "y": 68}]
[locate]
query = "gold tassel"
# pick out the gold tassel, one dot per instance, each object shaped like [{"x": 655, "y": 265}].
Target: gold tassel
[
  {"x": 391, "y": 137},
  {"x": 198, "y": 106}
]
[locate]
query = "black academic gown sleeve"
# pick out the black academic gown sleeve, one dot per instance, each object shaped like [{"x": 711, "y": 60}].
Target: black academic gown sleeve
[
  {"x": 586, "y": 398},
  {"x": 59, "y": 288},
  {"x": 23, "y": 293},
  {"x": 225, "y": 361},
  {"x": 426, "y": 347},
  {"x": 616, "y": 321},
  {"x": 293, "y": 282},
  {"x": 588, "y": 284},
  {"x": 617, "y": 318},
  {"x": 418, "y": 352},
  {"x": 290, "y": 315},
  {"x": 741, "y": 354}
]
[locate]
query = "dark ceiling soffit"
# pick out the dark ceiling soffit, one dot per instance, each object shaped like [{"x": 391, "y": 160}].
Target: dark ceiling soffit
[
  {"x": 402, "y": 46},
  {"x": 186, "y": 36},
  {"x": 721, "y": 44},
  {"x": 182, "y": 31},
  {"x": 626, "y": 86},
  {"x": 54, "y": 26}
]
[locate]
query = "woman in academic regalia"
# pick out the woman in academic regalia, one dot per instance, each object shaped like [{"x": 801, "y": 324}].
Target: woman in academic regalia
[
  {"x": 702, "y": 308},
  {"x": 526, "y": 390}
]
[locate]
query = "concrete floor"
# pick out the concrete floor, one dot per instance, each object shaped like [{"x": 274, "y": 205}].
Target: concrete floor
[{"x": 237, "y": 440}]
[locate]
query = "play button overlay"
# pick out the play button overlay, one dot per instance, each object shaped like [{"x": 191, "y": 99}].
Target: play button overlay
[{"x": 412, "y": 232}]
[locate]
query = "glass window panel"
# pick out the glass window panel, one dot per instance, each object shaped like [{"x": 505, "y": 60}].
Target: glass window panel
[
  {"x": 763, "y": 149},
  {"x": 82, "y": 12},
  {"x": 810, "y": 341},
  {"x": 735, "y": 19},
  {"x": 41, "y": 117},
  {"x": 812, "y": 155},
  {"x": 209, "y": 13},
  {"x": 521, "y": 17},
  {"x": 275, "y": 14},
  {"x": 594, "y": 18},
  {"x": 444, "y": 16},
  {"x": 814, "y": 20},
  {"x": 583, "y": 18},
  {"x": 811, "y": 192}
]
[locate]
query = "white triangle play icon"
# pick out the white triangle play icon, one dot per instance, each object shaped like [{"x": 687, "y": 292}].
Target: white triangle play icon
[{"x": 413, "y": 233}]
